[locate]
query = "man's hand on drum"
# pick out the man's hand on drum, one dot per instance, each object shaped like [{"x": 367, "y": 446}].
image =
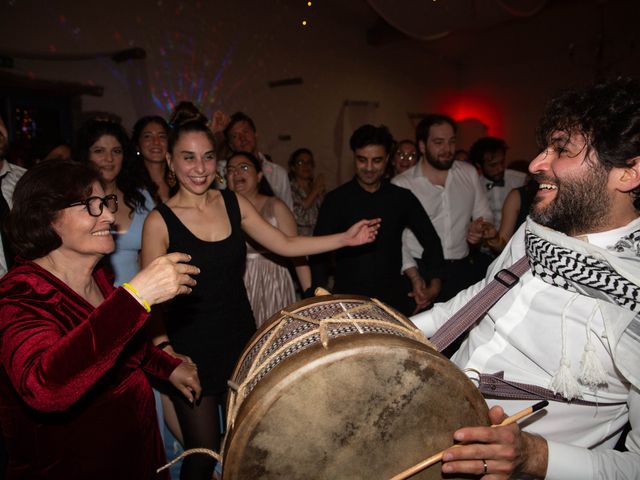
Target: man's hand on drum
[
  {"x": 364, "y": 231},
  {"x": 496, "y": 452},
  {"x": 165, "y": 277},
  {"x": 185, "y": 378}
]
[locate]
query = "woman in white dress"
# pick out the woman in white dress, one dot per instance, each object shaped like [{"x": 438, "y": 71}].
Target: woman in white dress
[{"x": 267, "y": 278}]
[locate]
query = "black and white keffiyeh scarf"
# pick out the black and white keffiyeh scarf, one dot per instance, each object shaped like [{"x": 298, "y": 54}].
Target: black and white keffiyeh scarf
[{"x": 611, "y": 275}]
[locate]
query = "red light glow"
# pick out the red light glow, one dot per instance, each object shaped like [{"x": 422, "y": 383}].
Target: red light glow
[{"x": 465, "y": 105}]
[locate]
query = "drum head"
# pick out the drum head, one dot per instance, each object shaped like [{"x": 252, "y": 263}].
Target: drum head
[{"x": 368, "y": 407}]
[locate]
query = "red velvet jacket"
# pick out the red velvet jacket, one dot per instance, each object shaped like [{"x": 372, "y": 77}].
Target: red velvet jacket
[{"x": 74, "y": 400}]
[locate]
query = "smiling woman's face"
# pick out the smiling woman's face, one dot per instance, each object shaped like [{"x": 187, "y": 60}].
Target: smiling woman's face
[
  {"x": 153, "y": 143},
  {"x": 193, "y": 160},
  {"x": 107, "y": 154},
  {"x": 83, "y": 234}
]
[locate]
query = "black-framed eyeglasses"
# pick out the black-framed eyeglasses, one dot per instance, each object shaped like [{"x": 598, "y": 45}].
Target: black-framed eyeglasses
[
  {"x": 243, "y": 167},
  {"x": 95, "y": 205}
]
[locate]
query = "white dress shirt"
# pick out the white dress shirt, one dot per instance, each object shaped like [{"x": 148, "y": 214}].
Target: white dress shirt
[
  {"x": 278, "y": 179},
  {"x": 10, "y": 174},
  {"x": 497, "y": 194},
  {"x": 451, "y": 208},
  {"x": 522, "y": 336}
]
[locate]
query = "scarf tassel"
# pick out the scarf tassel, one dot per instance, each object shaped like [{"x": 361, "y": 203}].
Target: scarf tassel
[
  {"x": 592, "y": 373},
  {"x": 564, "y": 383}
]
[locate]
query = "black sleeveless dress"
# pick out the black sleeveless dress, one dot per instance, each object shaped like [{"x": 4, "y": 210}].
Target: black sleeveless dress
[{"x": 212, "y": 324}]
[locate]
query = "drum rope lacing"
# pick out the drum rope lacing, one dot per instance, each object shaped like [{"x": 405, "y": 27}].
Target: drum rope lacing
[
  {"x": 206, "y": 451},
  {"x": 323, "y": 324},
  {"x": 257, "y": 365}
]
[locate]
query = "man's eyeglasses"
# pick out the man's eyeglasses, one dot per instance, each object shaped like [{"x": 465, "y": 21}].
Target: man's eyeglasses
[
  {"x": 407, "y": 155},
  {"x": 243, "y": 167},
  {"x": 95, "y": 205}
]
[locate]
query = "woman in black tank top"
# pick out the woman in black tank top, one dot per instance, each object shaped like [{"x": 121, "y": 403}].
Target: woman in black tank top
[{"x": 212, "y": 325}]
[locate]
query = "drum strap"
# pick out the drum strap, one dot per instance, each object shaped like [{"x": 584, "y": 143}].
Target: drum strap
[
  {"x": 479, "y": 305},
  {"x": 493, "y": 385}
]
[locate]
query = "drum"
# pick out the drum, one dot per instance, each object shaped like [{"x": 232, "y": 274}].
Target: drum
[{"x": 342, "y": 387}]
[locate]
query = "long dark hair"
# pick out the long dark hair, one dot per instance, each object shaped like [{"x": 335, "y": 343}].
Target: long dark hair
[
  {"x": 135, "y": 139},
  {"x": 133, "y": 177}
]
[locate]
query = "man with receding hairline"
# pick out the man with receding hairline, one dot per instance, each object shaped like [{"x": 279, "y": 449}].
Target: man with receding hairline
[{"x": 241, "y": 136}]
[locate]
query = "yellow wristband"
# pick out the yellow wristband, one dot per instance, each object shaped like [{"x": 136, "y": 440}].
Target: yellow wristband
[{"x": 131, "y": 289}]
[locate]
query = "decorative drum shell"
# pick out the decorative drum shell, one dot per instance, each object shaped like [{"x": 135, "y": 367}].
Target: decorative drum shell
[{"x": 342, "y": 387}]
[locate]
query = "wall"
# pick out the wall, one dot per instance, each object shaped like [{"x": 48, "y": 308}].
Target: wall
[
  {"x": 223, "y": 54},
  {"x": 223, "y": 58}
]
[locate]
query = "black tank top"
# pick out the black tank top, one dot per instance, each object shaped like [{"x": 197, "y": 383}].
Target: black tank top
[{"x": 213, "y": 323}]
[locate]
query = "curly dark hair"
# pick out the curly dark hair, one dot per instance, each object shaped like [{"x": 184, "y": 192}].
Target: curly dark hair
[
  {"x": 133, "y": 177},
  {"x": 607, "y": 115},
  {"x": 486, "y": 145},
  {"x": 44, "y": 190}
]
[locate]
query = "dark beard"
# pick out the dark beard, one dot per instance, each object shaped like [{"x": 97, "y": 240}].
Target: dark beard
[
  {"x": 581, "y": 205},
  {"x": 437, "y": 164}
]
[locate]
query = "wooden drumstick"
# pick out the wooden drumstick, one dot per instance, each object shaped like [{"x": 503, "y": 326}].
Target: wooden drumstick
[{"x": 438, "y": 456}]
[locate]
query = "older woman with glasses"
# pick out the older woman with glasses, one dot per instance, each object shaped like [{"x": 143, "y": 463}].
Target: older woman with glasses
[
  {"x": 75, "y": 402},
  {"x": 106, "y": 145}
]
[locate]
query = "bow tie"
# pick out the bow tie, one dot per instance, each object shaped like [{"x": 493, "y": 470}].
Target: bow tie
[{"x": 499, "y": 183}]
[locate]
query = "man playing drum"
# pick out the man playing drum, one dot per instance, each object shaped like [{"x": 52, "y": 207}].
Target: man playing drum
[{"x": 571, "y": 324}]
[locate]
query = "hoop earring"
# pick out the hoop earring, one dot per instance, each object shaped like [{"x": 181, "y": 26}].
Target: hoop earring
[
  {"x": 171, "y": 178},
  {"x": 220, "y": 179}
]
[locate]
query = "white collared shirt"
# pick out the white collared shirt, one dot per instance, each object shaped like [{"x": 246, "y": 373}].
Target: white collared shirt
[
  {"x": 451, "y": 208},
  {"x": 10, "y": 174},
  {"x": 512, "y": 179},
  {"x": 522, "y": 336},
  {"x": 278, "y": 179}
]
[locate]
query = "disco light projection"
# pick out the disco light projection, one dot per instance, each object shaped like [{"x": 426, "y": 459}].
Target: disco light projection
[
  {"x": 193, "y": 82},
  {"x": 186, "y": 57}
]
